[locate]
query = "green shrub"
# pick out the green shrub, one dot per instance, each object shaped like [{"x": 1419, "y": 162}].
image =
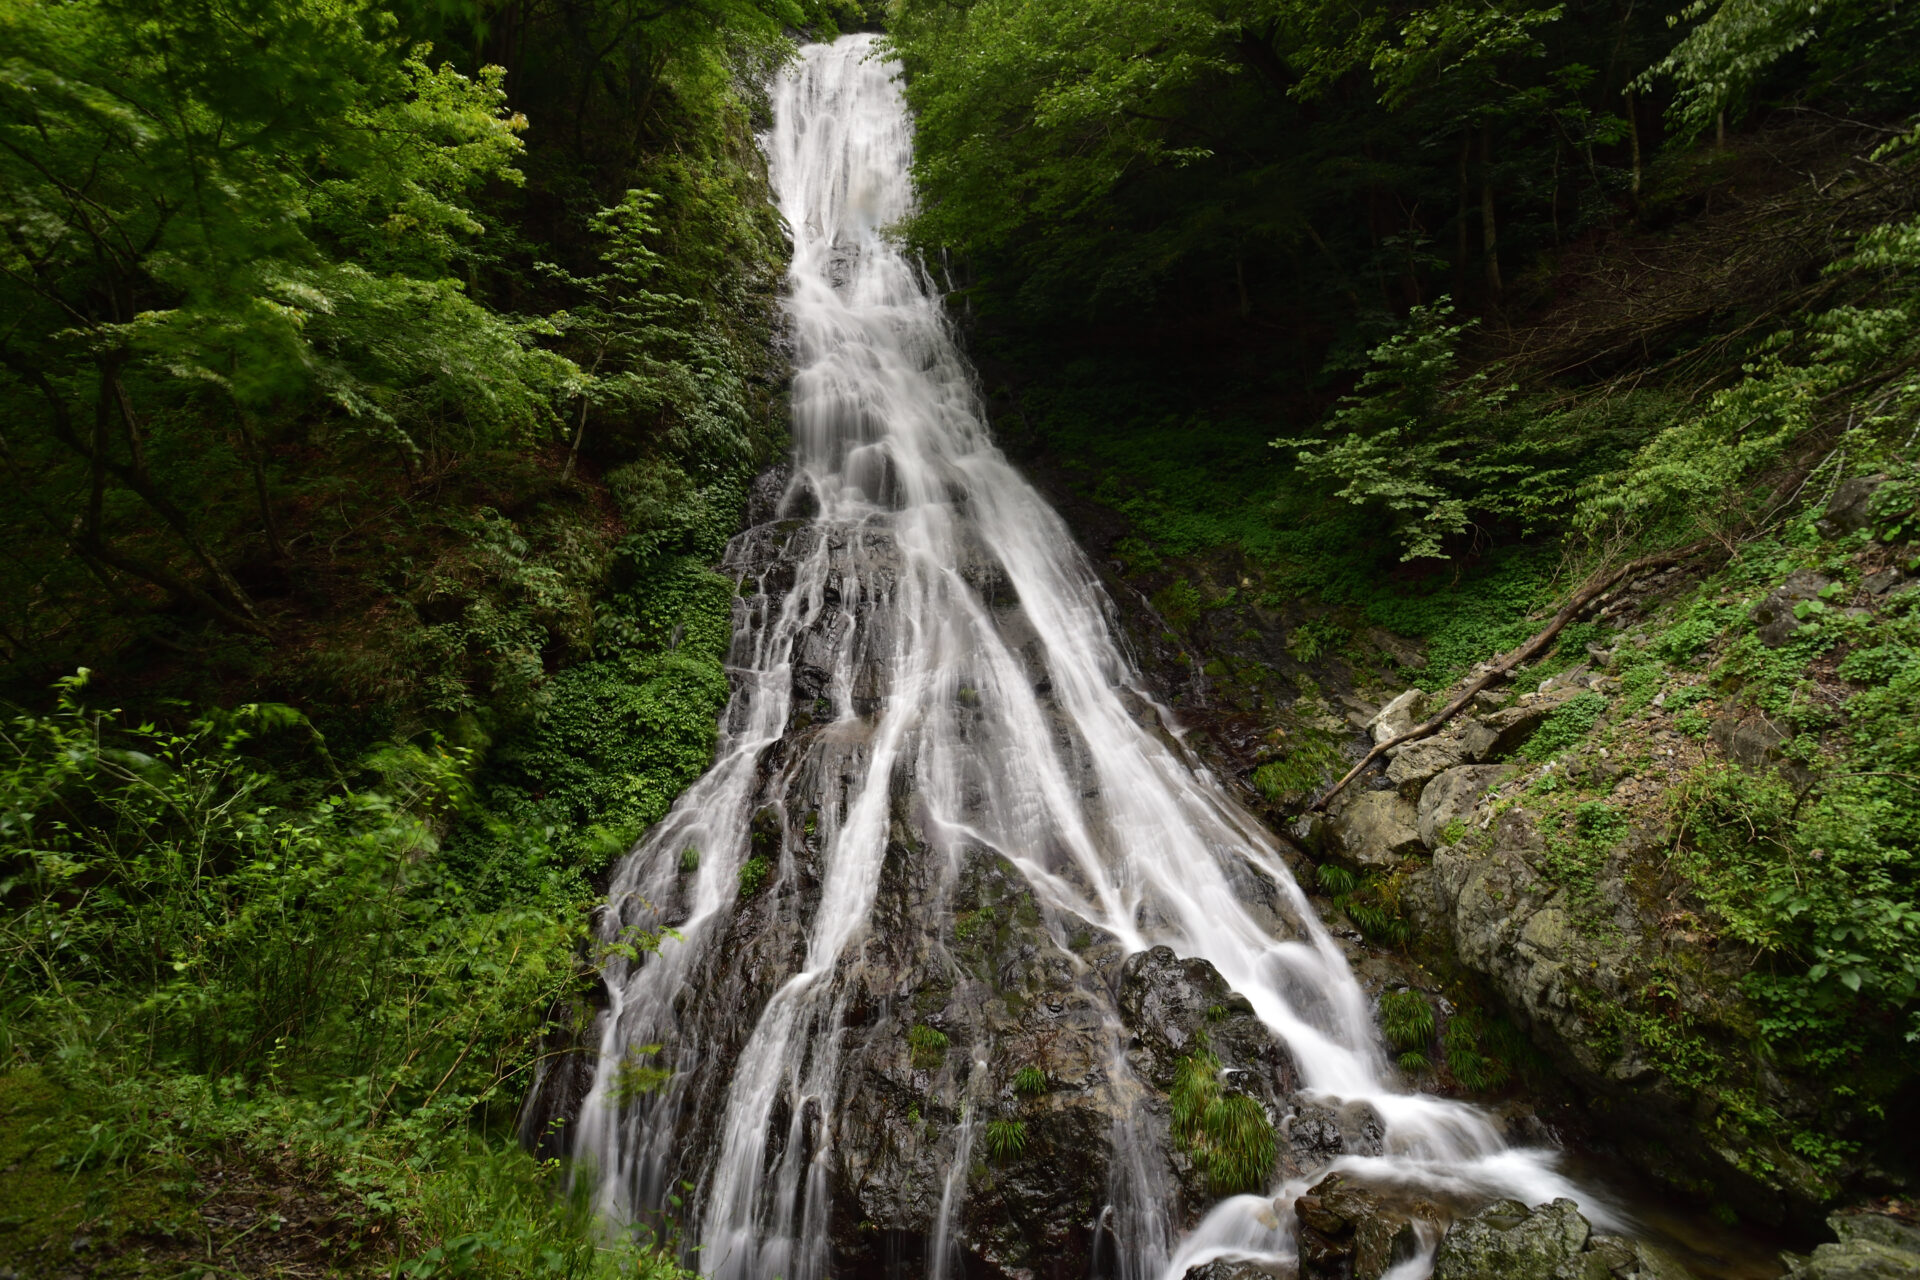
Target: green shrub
[
  {"x": 753, "y": 874},
  {"x": 206, "y": 955},
  {"x": 1030, "y": 1081},
  {"x": 1316, "y": 637},
  {"x": 1597, "y": 821}
]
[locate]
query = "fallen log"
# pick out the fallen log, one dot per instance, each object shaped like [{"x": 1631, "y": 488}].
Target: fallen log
[{"x": 1593, "y": 593}]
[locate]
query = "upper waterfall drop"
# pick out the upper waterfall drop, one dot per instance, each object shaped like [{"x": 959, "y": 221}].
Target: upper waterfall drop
[{"x": 934, "y": 739}]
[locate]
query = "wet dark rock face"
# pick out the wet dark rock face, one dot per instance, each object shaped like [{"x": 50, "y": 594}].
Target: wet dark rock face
[
  {"x": 1350, "y": 1232},
  {"x": 964, "y": 982}
]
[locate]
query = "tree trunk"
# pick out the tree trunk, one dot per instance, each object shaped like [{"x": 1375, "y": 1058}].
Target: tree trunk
[
  {"x": 579, "y": 434},
  {"x": 257, "y": 460},
  {"x": 1489, "y": 234},
  {"x": 1588, "y": 595},
  {"x": 1460, "y": 223},
  {"x": 1633, "y": 141},
  {"x": 135, "y": 476}
]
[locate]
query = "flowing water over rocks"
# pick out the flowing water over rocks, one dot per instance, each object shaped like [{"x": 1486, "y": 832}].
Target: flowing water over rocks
[{"x": 954, "y": 902}]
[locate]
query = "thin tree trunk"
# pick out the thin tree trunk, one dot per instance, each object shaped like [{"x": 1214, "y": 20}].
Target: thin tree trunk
[
  {"x": 1633, "y": 141},
  {"x": 573, "y": 450},
  {"x": 136, "y": 477},
  {"x": 1460, "y": 223},
  {"x": 257, "y": 458},
  {"x": 1489, "y": 233}
]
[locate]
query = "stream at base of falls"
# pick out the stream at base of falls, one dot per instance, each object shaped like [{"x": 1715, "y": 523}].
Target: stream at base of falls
[{"x": 954, "y": 908}]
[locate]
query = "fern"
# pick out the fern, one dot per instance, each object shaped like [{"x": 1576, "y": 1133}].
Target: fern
[
  {"x": 927, "y": 1045},
  {"x": 1407, "y": 1019},
  {"x": 1334, "y": 880},
  {"x": 1006, "y": 1139}
]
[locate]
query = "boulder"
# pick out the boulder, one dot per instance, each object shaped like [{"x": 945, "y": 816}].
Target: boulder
[
  {"x": 1773, "y": 616},
  {"x": 1878, "y": 584},
  {"x": 1497, "y": 733},
  {"x": 1231, "y": 1269},
  {"x": 1754, "y": 741},
  {"x": 1508, "y": 1241},
  {"x": 1403, "y": 651},
  {"x": 1453, "y": 794},
  {"x": 1633, "y": 1259},
  {"x": 1478, "y": 738},
  {"x": 1871, "y": 1246},
  {"x": 1850, "y": 507},
  {"x": 1399, "y": 715},
  {"x": 1349, "y": 1231},
  {"x": 1418, "y": 761},
  {"x": 1168, "y": 1000},
  {"x": 1377, "y": 829}
]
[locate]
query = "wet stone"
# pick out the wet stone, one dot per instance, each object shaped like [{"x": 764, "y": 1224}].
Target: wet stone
[
  {"x": 1349, "y": 1231},
  {"x": 1227, "y": 1269},
  {"x": 1512, "y": 1242}
]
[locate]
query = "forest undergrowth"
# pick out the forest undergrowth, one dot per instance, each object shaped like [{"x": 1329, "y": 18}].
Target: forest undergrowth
[{"x": 383, "y": 383}]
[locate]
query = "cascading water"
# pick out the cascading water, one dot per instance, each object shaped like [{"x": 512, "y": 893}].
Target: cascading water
[{"x": 927, "y": 681}]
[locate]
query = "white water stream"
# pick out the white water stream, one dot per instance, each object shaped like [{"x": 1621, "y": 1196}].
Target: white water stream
[{"x": 1109, "y": 820}]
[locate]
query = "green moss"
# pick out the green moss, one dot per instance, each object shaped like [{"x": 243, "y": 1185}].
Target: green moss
[
  {"x": 1179, "y": 603},
  {"x": 1310, "y": 761},
  {"x": 69, "y": 1174}
]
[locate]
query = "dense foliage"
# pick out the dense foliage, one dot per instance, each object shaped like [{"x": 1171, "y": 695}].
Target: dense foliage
[{"x": 406, "y": 364}]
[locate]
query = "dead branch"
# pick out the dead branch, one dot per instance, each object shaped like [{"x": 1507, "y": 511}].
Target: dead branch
[{"x": 1593, "y": 593}]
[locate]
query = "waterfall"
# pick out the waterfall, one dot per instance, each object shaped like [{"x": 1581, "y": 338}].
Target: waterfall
[{"x": 927, "y": 682}]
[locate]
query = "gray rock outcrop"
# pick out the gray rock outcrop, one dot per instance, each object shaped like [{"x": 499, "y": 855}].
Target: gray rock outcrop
[
  {"x": 1399, "y": 715},
  {"x": 1377, "y": 829},
  {"x": 1871, "y": 1246}
]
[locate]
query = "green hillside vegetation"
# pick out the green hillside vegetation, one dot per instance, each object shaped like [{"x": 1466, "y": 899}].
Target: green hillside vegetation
[
  {"x": 1358, "y": 337},
  {"x": 382, "y": 383}
]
